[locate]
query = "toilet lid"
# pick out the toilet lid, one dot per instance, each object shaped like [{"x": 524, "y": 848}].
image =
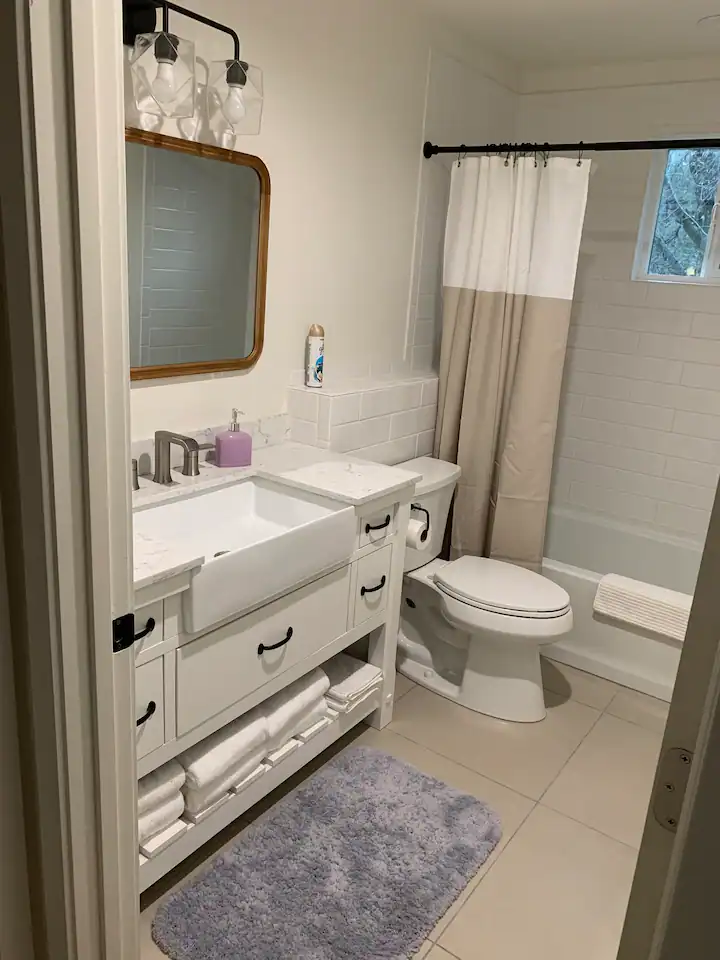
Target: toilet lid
[{"x": 502, "y": 588}]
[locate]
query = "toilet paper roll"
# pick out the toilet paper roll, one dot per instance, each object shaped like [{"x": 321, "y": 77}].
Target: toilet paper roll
[{"x": 416, "y": 529}]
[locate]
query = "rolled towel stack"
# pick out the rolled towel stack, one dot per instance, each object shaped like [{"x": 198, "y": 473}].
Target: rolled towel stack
[
  {"x": 223, "y": 760},
  {"x": 160, "y": 800},
  {"x": 296, "y": 708},
  {"x": 350, "y": 681}
]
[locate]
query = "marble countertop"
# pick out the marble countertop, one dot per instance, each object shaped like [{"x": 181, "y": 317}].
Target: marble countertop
[{"x": 343, "y": 478}]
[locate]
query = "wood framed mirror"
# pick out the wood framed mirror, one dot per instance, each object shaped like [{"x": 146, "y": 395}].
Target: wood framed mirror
[{"x": 198, "y": 221}]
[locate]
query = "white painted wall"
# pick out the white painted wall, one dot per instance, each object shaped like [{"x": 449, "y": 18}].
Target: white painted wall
[
  {"x": 639, "y": 438},
  {"x": 345, "y": 87}
]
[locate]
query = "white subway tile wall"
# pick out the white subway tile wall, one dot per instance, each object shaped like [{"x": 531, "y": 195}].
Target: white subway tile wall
[
  {"x": 639, "y": 433},
  {"x": 385, "y": 421}
]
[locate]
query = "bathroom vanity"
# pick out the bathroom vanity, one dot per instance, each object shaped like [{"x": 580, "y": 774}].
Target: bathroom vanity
[{"x": 247, "y": 580}]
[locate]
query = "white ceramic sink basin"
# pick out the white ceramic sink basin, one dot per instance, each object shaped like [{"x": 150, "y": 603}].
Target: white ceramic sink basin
[{"x": 259, "y": 538}]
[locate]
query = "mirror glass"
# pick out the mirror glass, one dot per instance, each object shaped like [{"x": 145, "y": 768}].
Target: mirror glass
[{"x": 197, "y": 248}]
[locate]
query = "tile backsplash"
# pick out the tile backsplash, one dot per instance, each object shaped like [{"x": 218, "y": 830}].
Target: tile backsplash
[{"x": 388, "y": 421}]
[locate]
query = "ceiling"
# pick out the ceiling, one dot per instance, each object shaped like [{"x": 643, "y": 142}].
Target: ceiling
[{"x": 572, "y": 32}]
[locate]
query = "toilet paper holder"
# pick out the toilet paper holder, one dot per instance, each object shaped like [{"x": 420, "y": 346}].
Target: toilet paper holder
[{"x": 419, "y": 509}]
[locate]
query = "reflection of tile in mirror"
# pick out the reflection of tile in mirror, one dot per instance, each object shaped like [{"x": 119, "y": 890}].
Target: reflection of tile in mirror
[{"x": 192, "y": 256}]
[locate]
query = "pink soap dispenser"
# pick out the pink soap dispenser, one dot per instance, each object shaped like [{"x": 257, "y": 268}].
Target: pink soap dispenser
[{"x": 233, "y": 447}]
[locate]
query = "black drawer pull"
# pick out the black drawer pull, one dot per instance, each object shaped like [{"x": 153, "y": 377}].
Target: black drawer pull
[
  {"x": 151, "y": 708},
  {"x": 149, "y": 627},
  {"x": 276, "y": 646},
  {"x": 374, "y": 589},
  {"x": 382, "y": 526}
]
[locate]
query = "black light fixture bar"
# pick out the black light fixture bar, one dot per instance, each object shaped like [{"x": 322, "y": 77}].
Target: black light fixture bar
[
  {"x": 432, "y": 150},
  {"x": 139, "y": 17}
]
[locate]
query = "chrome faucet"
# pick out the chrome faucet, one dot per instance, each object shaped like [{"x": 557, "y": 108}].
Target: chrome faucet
[{"x": 191, "y": 456}]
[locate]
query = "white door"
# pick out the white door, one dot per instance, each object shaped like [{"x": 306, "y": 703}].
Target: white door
[
  {"x": 74, "y": 104},
  {"x": 673, "y": 909}
]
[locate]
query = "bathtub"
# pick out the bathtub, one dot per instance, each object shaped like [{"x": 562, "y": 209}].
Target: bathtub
[{"x": 580, "y": 550}]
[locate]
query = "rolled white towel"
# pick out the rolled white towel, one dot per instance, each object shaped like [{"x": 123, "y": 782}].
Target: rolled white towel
[
  {"x": 350, "y": 679},
  {"x": 656, "y": 609},
  {"x": 212, "y": 758},
  {"x": 290, "y": 705},
  {"x": 198, "y": 800},
  {"x": 160, "y": 818},
  {"x": 159, "y": 786},
  {"x": 308, "y": 719}
]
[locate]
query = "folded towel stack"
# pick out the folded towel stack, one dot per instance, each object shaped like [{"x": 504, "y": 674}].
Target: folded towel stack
[
  {"x": 296, "y": 708},
  {"x": 351, "y": 681},
  {"x": 223, "y": 760},
  {"x": 160, "y": 800}
]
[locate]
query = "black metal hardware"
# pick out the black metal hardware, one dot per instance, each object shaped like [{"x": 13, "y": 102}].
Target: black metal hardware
[
  {"x": 424, "y": 535},
  {"x": 139, "y": 17},
  {"x": 410, "y": 603},
  {"x": 374, "y": 589},
  {"x": 276, "y": 646},
  {"x": 432, "y": 149},
  {"x": 124, "y": 635},
  {"x": 382, "y": 526},
  {"x": 151, "y": 708}
]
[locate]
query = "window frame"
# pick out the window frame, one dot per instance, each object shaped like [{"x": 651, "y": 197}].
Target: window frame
[{"x": 646, "y": 232}]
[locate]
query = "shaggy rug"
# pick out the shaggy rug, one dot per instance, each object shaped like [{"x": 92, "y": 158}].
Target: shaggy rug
[{"x": 358, "y": 863}]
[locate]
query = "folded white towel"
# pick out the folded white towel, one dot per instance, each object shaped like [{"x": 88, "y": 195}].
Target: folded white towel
[
  {"x": 158, "y": 787},
  {"x": 160, "y": 818},
  {"x": 644, "y": 605},
  {"x": 198, "y": 800},
  {"x": 212, "y": 758},
  {"x": 290, "y": 705},
  {"x": 350, "y": 679}
]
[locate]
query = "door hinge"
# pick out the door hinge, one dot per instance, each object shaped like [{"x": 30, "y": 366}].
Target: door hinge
[
  {"x": 123, "y": 632},
  {"x": 672, "y": 781}
]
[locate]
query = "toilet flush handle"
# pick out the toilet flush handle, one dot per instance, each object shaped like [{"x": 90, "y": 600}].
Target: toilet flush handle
[{"x": 426, "y": 531}]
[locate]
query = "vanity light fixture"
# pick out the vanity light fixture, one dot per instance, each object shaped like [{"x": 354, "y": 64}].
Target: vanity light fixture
[{"x": 163, "y": 71}]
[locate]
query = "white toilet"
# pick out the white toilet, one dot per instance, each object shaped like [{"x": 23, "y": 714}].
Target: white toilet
[{"x": 472, "y": 629}]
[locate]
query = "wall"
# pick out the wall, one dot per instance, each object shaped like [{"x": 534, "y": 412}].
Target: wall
[
  {"x": 639, "y": 436},
  {"x": 345, "y": 96}
]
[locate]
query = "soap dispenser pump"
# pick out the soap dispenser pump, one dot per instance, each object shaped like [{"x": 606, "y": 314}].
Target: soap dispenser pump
[{"x": 233, "y": 447}]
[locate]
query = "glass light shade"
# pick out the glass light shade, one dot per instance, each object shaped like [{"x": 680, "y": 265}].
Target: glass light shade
[
  {"x": 163, "y": 75},
  {"x": 234, "y": 99}
]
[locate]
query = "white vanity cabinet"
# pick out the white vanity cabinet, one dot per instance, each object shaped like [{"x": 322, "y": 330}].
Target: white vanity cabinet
[{"x": 189, "y": 686}]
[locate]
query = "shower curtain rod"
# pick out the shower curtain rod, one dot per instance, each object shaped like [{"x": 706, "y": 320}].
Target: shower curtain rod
[{"x": 431, "y": 149}]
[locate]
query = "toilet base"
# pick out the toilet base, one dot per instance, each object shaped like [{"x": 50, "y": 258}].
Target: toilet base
[{"x": 501, "y": 683}]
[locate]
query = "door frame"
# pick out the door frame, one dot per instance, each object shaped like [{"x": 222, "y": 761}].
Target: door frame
[{"x": 64, "y": 419}]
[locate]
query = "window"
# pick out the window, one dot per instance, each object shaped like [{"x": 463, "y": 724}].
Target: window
[{"x": 679, "y": 237}]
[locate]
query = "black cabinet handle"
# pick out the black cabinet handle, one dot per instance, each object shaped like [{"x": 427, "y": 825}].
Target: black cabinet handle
[
  {"x": 151, "y": 708},
  {"x": 382, "y": 526},
  {"x": 149, "y": 627},
  {"x": 276, "y": 646},
  {"x": 374, "y": 589}
]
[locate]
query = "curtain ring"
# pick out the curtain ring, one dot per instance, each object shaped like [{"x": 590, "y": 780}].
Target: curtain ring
[
  {"x": 535, "y": 158},
  {"x": 462, "y": 153},
  {"x": 507, "y": 158},
  {"x": 546, "y": 154},
  {"x": 580, "y": 154}
]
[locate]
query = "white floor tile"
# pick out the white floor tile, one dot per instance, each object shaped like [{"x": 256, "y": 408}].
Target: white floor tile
[
  {"x": 524, "y": 757},
  {"x": 402, "y": 686},
  {"x": 558, "y": 892},
  {"x": 641, "y": 709},
  {"x": 572, "y": 684},
  {"x": 607, "y": 783}
]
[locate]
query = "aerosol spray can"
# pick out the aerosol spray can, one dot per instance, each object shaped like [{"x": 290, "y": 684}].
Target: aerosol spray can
[{"x": 314, "y": 356}]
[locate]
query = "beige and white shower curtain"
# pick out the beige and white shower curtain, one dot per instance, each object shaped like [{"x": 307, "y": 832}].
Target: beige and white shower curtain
[{"x": 511, "y": 252}]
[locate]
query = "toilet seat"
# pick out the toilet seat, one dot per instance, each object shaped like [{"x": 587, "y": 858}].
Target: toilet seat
[{"x": 502, "y": 588}]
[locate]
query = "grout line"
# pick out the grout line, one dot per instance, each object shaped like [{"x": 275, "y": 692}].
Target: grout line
[
  {"x": 561, "y": 813},
  {"x": 554, "y": 780}
]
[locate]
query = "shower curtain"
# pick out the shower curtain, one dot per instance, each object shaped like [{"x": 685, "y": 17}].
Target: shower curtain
[{"x": 511, "y": 253}]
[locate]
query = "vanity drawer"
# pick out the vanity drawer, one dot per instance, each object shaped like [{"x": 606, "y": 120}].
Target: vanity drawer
[
  {"x": 221, "y": 668},
  {"x": 372, "y": 585},
  {"x": 150, "y": 706},
  {"x": 376, "y": 526},
  {"x": 143, "y": 616}
]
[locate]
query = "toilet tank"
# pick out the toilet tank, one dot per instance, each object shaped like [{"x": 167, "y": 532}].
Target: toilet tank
[{"x": 433, "y": 493}]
